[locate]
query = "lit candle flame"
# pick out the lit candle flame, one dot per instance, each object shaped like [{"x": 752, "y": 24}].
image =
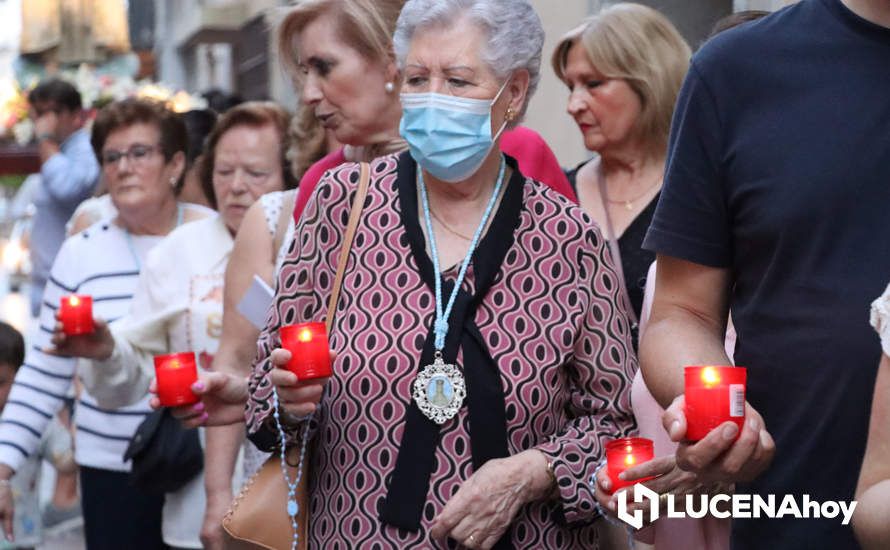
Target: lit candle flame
[
  {"x": 710, "y": 376},
  {"x": 74, "y": 301},
  {"x": 305, "y": 335},
  {"x": 174, "y": 364},
  {"x": 630, "y": 460}
]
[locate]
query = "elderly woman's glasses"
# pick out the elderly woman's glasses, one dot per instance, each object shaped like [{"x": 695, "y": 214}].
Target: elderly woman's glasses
[{"x": 137, "y": 154}]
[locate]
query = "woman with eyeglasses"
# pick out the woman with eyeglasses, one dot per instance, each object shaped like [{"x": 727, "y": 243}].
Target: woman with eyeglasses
[
  {"x": 141, "y": 148},
  {"x": 178, "y": 305}
]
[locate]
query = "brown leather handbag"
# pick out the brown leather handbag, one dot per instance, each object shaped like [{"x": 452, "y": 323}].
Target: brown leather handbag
[{"x": 257, "y": 517}]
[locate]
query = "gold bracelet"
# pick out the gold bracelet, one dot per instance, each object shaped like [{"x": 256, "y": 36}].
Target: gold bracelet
[{"x": 554, "y": 484}]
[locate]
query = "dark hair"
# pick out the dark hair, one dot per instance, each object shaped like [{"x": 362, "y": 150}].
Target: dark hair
[
  {"x": 127, "y": 112},
  {"x": 59, "y": 92},
  {"x": 736, "y": 19},
  {"x": 12, "y": 346},
  {"x": 198, "y": 125},
  {"x": 251, "y": 113},
  {"x": 220, "y": 101}
]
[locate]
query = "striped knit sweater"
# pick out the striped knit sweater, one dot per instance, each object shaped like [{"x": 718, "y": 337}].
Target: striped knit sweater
[{"x": 104, "y": 263}]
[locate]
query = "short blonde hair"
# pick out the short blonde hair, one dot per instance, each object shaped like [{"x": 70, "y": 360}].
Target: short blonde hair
[
  {"x": 642, "y": 47},
  {"x": 366, "y": 26}
]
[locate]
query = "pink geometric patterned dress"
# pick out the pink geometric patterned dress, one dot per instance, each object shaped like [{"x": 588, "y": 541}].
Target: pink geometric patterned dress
[{"x": 550, "y": 322}]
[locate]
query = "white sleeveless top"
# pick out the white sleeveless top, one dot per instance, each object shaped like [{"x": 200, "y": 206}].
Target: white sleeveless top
[{"x": 272, "y": 205}]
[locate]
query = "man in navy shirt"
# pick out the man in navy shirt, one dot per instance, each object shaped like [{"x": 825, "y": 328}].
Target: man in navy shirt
[{"x": 776, "y": 206}]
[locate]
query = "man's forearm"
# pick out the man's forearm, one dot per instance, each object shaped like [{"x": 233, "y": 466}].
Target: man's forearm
[{"x": 672, "y": 342}]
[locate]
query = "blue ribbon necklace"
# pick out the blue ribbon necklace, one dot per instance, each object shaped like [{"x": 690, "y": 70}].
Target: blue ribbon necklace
[{"x": 439, "y": 390}]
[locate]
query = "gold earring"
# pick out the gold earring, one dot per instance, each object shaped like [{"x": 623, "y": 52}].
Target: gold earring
[{"x": 511, "y": 114}]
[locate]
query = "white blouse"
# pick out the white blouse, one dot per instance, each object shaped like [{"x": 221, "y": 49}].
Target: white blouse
[{"x": 177, "y": 307}]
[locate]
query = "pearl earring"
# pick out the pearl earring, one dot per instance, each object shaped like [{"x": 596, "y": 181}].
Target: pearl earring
[
  {"x": 172, "y": 182},
  {"x": 389, "y": 87}
]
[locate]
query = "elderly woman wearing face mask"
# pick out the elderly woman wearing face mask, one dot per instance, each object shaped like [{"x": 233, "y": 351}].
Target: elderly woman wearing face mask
[
  {"x": 327, "y": 43},
  {"x": 525, "y": 315}
]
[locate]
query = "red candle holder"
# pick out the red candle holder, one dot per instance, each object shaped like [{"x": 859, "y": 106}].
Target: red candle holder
[
  {"x": 714, "y": 395},
  {"x": 76, "y": 313},
  {"x": 625, "y": 453},
  {"x": 310, "y": 352},
  {"x": 175, "y": 374}
]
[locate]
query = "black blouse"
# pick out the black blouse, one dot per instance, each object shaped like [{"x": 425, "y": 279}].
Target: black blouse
[{"x": 635, "y": 261}]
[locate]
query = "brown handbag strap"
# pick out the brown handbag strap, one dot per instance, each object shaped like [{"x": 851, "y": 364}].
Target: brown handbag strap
[{"x": 354, "y": 214}]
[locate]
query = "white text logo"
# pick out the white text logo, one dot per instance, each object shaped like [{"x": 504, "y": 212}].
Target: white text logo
[{"x": 731, "y": 506}]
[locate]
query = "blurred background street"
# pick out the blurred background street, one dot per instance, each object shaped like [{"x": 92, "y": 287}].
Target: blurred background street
[{"x": 15, "y": 311}]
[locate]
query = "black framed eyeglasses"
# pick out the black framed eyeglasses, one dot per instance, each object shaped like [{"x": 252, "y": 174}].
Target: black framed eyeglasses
[{"x": 136, "y": 154}]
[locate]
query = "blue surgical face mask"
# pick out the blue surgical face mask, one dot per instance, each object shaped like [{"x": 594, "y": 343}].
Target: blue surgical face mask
[{"x": 448, "y": 136}]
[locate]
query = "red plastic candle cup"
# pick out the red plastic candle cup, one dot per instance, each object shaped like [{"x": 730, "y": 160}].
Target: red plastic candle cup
[
  {"x": 625, "y": 453},
  {"x": 714, "y": 395},
  {"x": 310, "y": 352},
  {"x": 175, "y": 374},
  {"x": 76, "y": 313}
]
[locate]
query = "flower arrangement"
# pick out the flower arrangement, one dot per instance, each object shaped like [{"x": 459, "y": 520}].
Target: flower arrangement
[
  {"x": 14, "y": 121},
  {"x": 96, "y": 91}
]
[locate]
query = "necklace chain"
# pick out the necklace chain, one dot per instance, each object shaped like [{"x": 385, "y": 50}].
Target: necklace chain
[
  {"x": 440, "y": 327},
  {"x": 629, "y": 203},
  {"x": 448, "y": 227}
]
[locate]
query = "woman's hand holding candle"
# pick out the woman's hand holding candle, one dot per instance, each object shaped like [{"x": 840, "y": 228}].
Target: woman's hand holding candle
[
  {"x": 175, "y": 374},
  {"x": 668, "y": 478},
  {"x": 723, "y": 455},
  {"x": 98, "y": 344},
  {"x": 297, "y": 397},
  {"x": 76, "y": 313},
  {"x": 222, "y": 398}
]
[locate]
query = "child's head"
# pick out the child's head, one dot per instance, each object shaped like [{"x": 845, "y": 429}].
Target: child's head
[{"x": 12, "y": 355}]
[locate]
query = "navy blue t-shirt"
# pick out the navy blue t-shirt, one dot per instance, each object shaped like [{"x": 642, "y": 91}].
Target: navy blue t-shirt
[{"x": 779, "y": 170}]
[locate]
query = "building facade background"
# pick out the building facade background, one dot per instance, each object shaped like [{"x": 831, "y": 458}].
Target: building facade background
[{"x": 230, "y": 45}]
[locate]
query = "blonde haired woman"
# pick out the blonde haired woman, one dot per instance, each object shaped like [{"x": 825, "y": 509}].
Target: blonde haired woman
[{"x": 624, "y": 68}]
